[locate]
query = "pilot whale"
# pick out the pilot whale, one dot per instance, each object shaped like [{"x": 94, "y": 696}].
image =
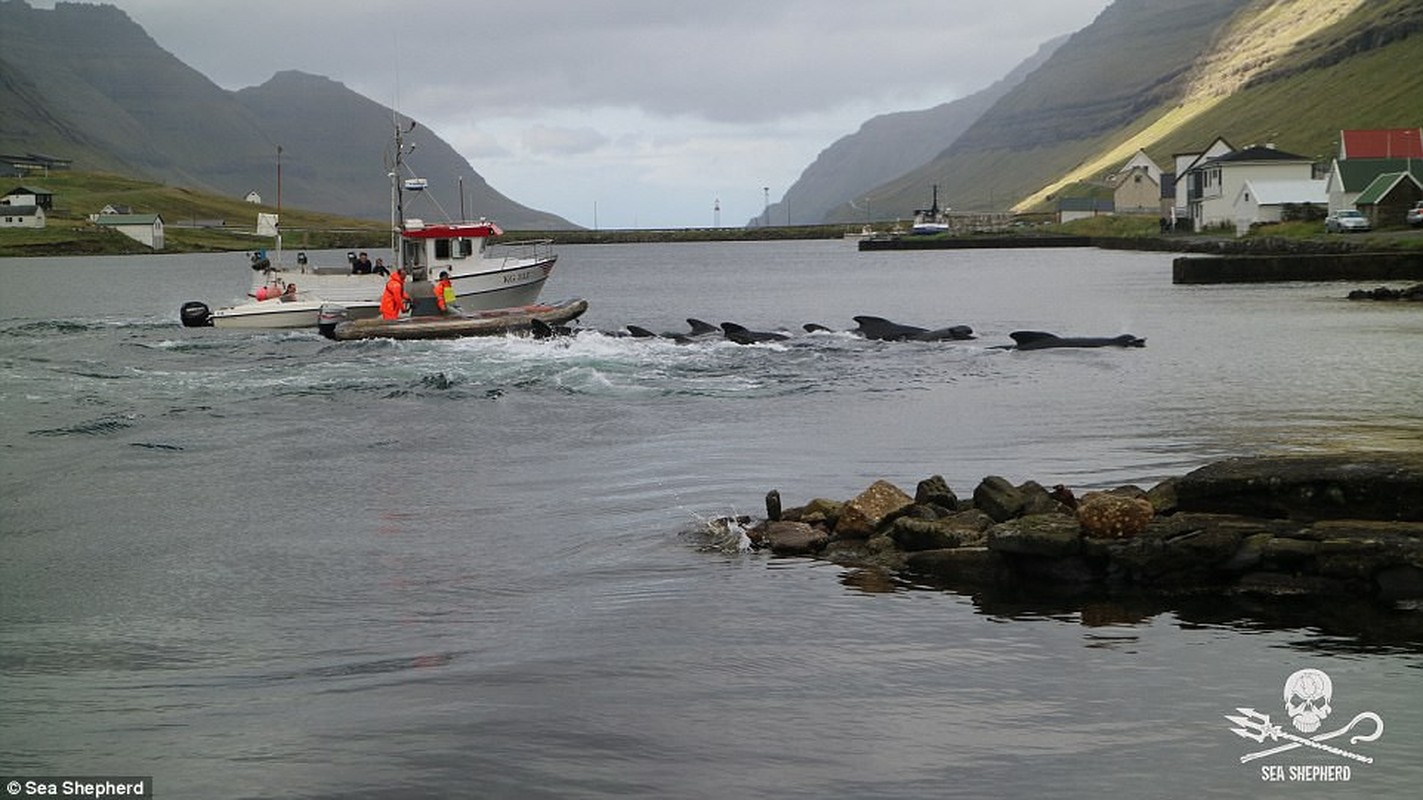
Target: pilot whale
[
  {"x": 699, "y": 329},
  {"x": 889, "y": 331},
  {"x": 1042, "y": 340},
  {"x": 741, "y": 335}
]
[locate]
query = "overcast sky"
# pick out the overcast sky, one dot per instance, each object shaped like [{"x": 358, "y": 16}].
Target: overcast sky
[{"x": 644, "y": 113}]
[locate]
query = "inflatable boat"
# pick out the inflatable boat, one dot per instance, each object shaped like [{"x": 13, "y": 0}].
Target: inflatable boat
[{"x": 540, "y": 319}]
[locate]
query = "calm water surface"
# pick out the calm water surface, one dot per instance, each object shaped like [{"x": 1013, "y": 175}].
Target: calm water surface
[{"x": 261, "y": 564}]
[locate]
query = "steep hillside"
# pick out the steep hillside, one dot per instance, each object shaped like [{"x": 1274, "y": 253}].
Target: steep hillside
[
  {"x": 347, "y": 173},
  {"x": 86, "y": 83},
  {"x": 1169, "y": 75},
  {"x": 888, "y": 146},
  {"x": 1135, "y": 56}
]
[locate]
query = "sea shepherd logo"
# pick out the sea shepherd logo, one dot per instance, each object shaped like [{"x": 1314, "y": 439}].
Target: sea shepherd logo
[{"x": 1309, "y": 701}]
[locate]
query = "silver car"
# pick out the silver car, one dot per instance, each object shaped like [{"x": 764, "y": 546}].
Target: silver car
[
  {"x": 1414, "y": 216},
  {"x": 1346, "y": 221}
]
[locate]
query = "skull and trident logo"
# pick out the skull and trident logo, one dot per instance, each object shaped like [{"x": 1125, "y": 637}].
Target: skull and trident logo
[{"x": 1308, "y": 697}]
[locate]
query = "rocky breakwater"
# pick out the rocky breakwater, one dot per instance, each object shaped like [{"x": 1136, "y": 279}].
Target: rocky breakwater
[{"x": 1346, "y": 525}]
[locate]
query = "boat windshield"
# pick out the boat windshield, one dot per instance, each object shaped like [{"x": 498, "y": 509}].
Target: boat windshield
[{"x": 414, "y": 255}]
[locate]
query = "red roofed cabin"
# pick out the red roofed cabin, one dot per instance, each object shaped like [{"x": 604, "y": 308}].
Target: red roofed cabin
[{"x": 1381, "y": 143}]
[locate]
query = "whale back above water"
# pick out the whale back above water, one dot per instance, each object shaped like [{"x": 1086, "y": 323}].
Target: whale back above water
[
  {"x": 886, "y": 330},
  {"x": 1042, "y": 340},
  {"x": 742, "y": 335}
]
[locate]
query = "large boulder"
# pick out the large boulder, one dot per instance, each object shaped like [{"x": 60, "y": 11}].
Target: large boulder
[
  {"x": 795, "y": 538},
  {"x": 861, "y": 517},
  {"x": 910, "y": 534},
  {"x": 934, "y": 491},
  {"x": 1049, "y": 535},
  {"x": 998, "y": 498},
  {"x": 1383, "y": 486},
  {"x": 1103, "y": 515}
]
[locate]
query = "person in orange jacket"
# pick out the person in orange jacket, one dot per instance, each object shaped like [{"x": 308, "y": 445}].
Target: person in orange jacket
[
  {"x": 445, "y": 293},
  {"x": 394, "y": 299}
]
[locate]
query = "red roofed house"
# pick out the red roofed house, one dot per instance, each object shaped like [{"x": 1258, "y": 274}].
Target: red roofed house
[
  {"x": 1364, "y": 155},
  {"x": 1382, "y": 143}
]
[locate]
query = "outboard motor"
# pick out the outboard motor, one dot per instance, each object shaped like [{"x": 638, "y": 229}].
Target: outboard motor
[
  {"x": 301, "y": 258},
  {"x": 195, "y": 314},
  {"x": 260, "y": 261},
  {"x": 329, "y": 317}
]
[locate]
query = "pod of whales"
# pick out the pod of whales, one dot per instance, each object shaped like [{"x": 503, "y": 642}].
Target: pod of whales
[{"x": 876, "y": 329}]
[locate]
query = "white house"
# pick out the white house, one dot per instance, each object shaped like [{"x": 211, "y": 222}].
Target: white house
[
  {"x": 253, "y": 197},
  {"x": 146, "y": 229},
  {"x": 1213, "y": 186},
  {"x": 17, "y": 216},
  {"x": 1187, "y": 161},
  {"x": 29, "y": 196},
  {"x": 1141, "y": 161},
  {"x": 1262, "y": 200}
]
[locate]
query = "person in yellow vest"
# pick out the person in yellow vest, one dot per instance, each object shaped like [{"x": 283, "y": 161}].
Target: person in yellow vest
[{"x": 445, "y": 293}]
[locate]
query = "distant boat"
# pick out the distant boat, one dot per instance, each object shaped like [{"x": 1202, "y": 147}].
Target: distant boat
[
  {"x": 931, "y": 220},
  {"x": 865, "y": 232}
]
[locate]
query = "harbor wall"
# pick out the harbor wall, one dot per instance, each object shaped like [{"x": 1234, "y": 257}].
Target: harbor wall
[{"x": 1298, "y": 267}]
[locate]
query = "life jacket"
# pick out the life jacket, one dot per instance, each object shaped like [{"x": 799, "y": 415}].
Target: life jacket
[
  {"x": 445, "y": 294},
  {"x": 392, "y": 300}
]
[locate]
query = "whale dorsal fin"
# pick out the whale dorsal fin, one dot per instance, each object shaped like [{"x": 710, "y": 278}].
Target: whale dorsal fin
[{"x": 1024, "y": 337}]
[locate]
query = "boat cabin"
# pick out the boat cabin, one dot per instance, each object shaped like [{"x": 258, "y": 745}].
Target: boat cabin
[{"x": 435, "y": 247}]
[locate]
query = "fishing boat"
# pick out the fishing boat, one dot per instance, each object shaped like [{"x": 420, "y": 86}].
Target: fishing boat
[
  {"x": 538, "y": 319},
  {"x": 931, "y": 220},
  {"x": 484, "y": 275}
]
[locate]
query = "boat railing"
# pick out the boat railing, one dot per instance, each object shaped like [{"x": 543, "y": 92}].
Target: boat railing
[{"x": 519, "y": 250}]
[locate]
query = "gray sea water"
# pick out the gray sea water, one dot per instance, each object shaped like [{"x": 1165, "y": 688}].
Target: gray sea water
[{"x": 264, "y": 565}]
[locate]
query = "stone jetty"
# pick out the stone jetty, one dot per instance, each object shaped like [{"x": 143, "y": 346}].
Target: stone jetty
[{"x": 1318, "y": 526}]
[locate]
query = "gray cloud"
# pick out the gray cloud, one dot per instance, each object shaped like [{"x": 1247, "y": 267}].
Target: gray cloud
[
  {"x": 650, "y": 110},
  {"x": 727, "y": 60}
]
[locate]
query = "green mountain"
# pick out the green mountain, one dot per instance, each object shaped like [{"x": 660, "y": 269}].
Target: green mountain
[
  {"x": 1168, "y": 76},
  {"x": 86, "y": 83}
]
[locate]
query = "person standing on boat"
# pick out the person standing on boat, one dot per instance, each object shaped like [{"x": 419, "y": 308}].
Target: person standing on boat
[
  {"x": 445, "y": 293},
  {"x": 394, "y": 299}
]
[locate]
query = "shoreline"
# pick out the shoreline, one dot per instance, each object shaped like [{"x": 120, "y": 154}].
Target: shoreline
[{"x": 1346, "y": 527}]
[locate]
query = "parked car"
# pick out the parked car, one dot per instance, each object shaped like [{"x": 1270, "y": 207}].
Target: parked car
[
  {"x": 1345, "y": 221},
  {"x": 1414, "y": 216}
]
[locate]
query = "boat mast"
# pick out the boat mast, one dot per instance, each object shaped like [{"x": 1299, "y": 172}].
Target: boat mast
[
  {"x": 279, "y": 205},
  {"x": 397, "y": 196}
]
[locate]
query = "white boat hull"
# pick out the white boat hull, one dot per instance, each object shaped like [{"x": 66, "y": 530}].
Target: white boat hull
[
  {"x": 268, "y": 314},
  {"x": 507, "y": 283}
]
